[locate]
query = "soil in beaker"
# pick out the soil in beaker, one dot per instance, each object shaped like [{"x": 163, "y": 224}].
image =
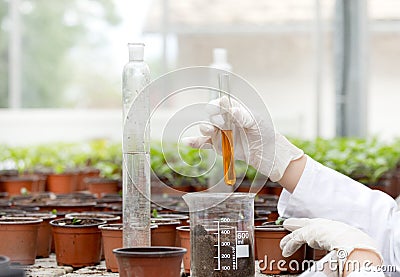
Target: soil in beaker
[
  {"x": 228, "y": 157},
  {"x": 205, "y": 263}
]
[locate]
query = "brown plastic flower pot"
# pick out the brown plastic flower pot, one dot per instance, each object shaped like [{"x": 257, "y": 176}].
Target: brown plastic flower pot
[
  {"x": 112, "y": 238},
  {"x": 14, "y": 185},
  {"x": 77, "y": 245},
  {"x": 44, "y": 233},
  {"x": 102, "y": 186},
  {"x": 62, "y": 183},
  {"x": 267, "y": 241},
  {"x": 165, "y": 234},
  {"x": 149, "y": 261},
  {"x": 315, "y": 254},
  {"x": 184, "y": 241},
  {"x": 109, "y": 218},
  {"x": 19, "y": 238},
  {"x": 86, "y": 173}
]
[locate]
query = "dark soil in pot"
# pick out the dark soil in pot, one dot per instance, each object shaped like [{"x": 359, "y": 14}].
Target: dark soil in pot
[{"x": 109, "y": 218}]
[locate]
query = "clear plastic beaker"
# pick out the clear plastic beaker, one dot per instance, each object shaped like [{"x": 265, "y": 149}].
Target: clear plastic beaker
[{"x": 222, "y": 234}]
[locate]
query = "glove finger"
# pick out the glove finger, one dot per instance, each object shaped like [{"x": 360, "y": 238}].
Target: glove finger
[
  {"x": 218, "y": 121},
  {"x": 292, "y": 243},
  {"x": 213, "y": 107},
  {"x": 220, "y": 105},
  {"x": 285, "y": 240},
  {"x": 207, "y": 130},
  {"x": 292, "y": 224},
  {"x": 198, "y": 142},
  {"x": 242, "y": 117}
]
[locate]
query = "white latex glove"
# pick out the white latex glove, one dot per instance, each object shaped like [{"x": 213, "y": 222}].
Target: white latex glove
[
  {"x": 324, "y": 234},
  {"x": 253, "y": 137}
]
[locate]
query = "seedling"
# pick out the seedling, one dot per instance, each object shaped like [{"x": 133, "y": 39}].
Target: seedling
[
  {"x": 76, "y": 221},
  {"x": 24, "y": 191},
  {"x": 280, "y": 220},
  {"x": 154, "y": 213}
]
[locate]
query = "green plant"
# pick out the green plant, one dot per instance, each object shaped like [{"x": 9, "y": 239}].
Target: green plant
[
  {"x": 76, "y": 221},
  {"x": 154, "y": 213},
  {"x": 25, "y": 191},
  {"x": 179, "y": 165},
  {"x": 363, "y": 159},
  {"x": 280, "y": 220}
]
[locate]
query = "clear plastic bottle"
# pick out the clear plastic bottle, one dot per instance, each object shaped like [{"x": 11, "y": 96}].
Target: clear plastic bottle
[{"x": 136, "y": 149}]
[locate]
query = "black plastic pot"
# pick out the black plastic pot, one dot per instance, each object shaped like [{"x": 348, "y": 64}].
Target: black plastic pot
[
  {"x": 4, "y": 262},
  {"x": 6, "y": 271}
]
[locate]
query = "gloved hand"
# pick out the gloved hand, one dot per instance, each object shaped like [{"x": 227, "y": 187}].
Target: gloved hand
[
  {"x": 253, "y": 138},
  {"x": 325, "y": 234}
]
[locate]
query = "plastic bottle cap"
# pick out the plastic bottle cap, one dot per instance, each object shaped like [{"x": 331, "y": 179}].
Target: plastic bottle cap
[
  {"x": 220, "y": 59},
  {"x": 219, "y": 55},
  {"x": 136, "y": 51}
]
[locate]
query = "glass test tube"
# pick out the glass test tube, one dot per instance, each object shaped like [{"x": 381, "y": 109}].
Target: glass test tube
[{"x": 226, "y": 133}]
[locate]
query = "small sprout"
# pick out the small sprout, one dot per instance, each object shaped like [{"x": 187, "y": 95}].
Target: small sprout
[
  {"x": 154, "y": 213},
  {"x": 54, "y": 211},
  {"x": 24, "y": 191},
  {"x": 76, "y": 221},
  {"x": 280, "y": 221}
]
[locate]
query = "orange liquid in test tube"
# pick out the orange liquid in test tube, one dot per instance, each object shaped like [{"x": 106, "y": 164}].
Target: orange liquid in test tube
[{"x": 228, "y": 157}]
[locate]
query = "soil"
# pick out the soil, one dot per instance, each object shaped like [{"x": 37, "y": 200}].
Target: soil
[
  {"x": 205, "y": 263},
  {"x": 80, "y": 221}
]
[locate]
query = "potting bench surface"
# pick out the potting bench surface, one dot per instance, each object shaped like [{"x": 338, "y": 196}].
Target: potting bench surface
[{"x": 48, "y": 268}]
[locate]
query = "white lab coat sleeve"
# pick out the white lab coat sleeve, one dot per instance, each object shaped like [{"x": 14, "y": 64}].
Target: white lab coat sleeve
[{"x": 325, "y": 193}]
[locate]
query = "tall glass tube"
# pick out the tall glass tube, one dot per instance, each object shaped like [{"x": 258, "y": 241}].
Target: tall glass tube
[
  {"x": 228, "y": 150},
  {"x": 136, "y": 150}
]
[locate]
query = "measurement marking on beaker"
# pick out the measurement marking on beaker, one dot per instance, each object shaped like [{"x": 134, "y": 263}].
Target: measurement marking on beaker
[
  {"x": 235, "y": 265},
  {"x": 218, "y": 247}
]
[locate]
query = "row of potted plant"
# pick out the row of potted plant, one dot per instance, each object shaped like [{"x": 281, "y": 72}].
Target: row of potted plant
[
  {"x": 169, "y": 229},
  {"x": 370, "y": 161},
  {"x": 77, "y": 236}
]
